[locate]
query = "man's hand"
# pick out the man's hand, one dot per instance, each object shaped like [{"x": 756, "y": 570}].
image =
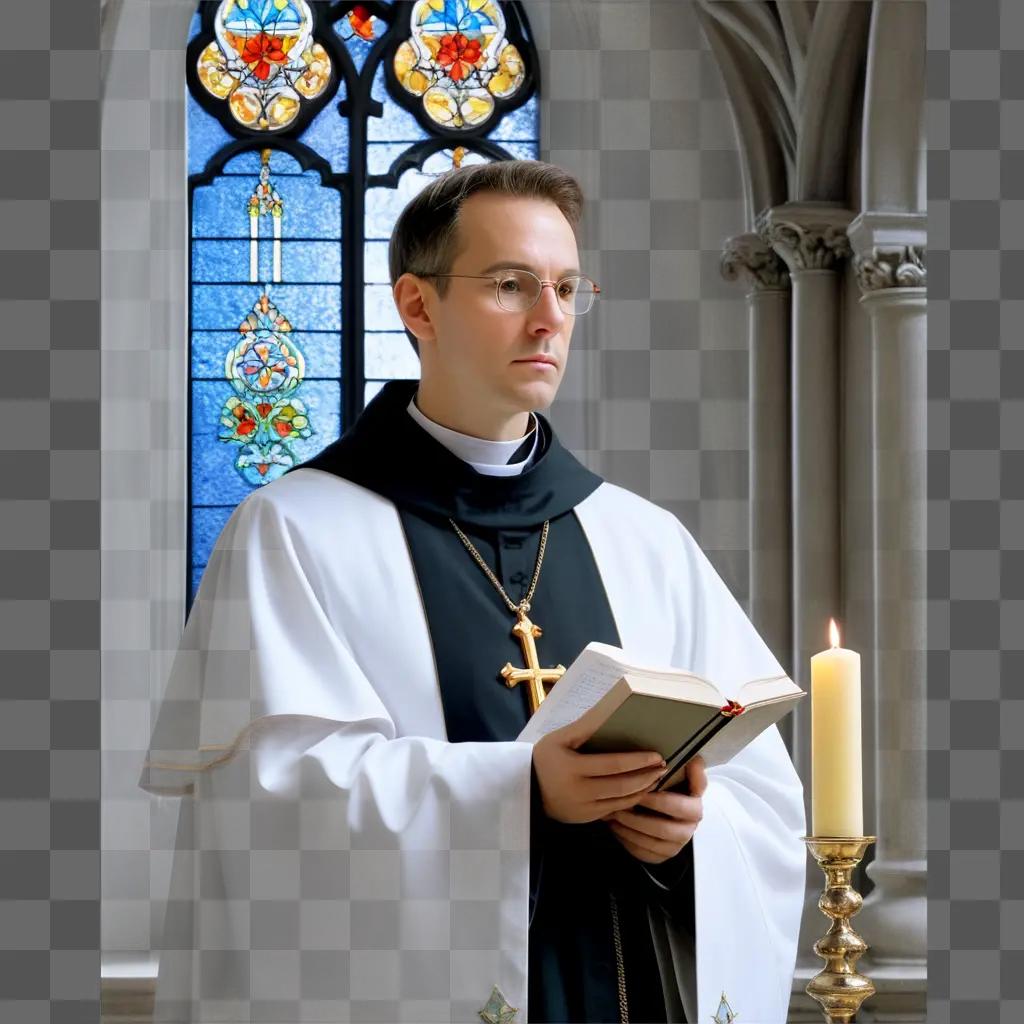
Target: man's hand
[
  {"x": 654, "y": 838},
  {"x": 577, "y": 788}
]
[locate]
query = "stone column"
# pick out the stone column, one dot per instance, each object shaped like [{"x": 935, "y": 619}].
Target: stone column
[
  {"x": 810, "y": 238},
  {"x": 748, "y": 258},
  {"x": 891, "y": 273}
]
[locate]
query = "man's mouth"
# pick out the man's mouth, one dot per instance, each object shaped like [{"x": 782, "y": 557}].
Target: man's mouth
[{"x": 539, "y": 360}]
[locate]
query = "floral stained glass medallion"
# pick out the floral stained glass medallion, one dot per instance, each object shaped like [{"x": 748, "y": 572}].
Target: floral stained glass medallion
[
  {"x": 265, "y": 369},
  {"x": 264, "y": 61},
  {"x": 458, "y": 59}
]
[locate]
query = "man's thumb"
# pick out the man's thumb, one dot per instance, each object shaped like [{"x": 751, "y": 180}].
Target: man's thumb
[{"x": 576, "y": 733}]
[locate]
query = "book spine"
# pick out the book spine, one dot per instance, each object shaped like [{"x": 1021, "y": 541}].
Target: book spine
[{"x": 693, "y": 745}]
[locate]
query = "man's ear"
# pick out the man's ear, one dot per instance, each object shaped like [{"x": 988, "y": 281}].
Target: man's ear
[{"x": 415, "y": 298}]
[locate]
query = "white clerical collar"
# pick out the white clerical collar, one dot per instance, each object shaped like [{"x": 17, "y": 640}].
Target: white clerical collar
[{"x": 487, "y": 457}]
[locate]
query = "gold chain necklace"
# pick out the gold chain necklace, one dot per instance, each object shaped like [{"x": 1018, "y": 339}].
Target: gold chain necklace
[{"x": 525, "y": 631}]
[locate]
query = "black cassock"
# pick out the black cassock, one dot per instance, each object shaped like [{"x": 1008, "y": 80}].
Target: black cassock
[{"x": 572, "y": 962}]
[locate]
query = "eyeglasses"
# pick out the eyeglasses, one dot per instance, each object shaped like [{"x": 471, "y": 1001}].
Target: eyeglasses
[{"x": 519, "y": 290}]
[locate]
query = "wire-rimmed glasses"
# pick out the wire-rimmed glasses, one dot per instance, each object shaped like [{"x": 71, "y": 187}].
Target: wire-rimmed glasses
[{"x": 520, "y": 290}]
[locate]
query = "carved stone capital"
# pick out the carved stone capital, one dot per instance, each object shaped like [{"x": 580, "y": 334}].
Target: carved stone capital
[
  {"x": 807, "y": 236},
  {"x": 750, "y": 258},
  {"x": 892, "y": 267},
  {"x": 890, "y": 250}
]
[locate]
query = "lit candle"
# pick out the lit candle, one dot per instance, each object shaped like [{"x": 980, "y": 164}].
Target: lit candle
[{"x": 837, "y": 802}]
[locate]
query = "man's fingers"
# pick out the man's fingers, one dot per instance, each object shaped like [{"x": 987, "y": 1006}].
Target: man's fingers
[
  {"x": 615, "y": 787},
  {"x": 599, "y": 765},
  {"x": 656, "y": 826},
  {"x": 606, "y": 806},
  {"x": 662, "y": 849},
  {"x": 638, "y": 852},
  {"x": 696, "y": 776},
  {"x": 679, "y": 806}
]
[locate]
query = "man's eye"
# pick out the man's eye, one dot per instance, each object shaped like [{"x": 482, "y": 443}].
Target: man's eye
[
  {"x": 509, "y": 284},
  {"x": 567, "y": 288}
]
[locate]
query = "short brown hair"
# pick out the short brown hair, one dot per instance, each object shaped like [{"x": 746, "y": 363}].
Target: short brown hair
[{"x": 423, "y": 240}]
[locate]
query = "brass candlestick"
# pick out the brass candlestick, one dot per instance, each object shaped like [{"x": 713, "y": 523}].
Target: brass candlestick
[{"x": 838, "y": 988}]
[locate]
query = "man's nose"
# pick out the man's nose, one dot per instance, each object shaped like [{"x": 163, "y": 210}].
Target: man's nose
[{"x": 547, "y": 309}]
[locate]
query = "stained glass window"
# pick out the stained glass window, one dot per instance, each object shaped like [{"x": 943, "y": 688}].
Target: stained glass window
[{"x": 309, "y": 126}]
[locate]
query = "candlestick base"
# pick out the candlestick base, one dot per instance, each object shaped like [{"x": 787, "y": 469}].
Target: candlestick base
[{"x": 838, "y": 989}]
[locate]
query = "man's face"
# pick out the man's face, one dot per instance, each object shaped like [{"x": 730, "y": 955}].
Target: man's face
[{"x": 481, "y": 351}]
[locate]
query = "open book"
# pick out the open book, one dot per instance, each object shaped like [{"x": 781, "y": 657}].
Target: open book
[{"x": 669, "y": 710}]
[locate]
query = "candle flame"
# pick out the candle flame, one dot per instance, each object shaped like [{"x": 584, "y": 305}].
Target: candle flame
[{"x": 833, "y": 632}]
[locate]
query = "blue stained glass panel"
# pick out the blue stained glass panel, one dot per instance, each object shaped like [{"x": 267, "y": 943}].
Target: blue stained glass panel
[
  {"x": 194, "y": 26},
  {"x": 220, "y": 306},
  {"x": 521, "y": 150},
  {"x": 358, "y": 48},
  {"x": 380, "y": 313},
  {"x": 205, "y": 134},
  {"x": 390, "y": 355},
  {"x": 215, "y": 481},
  {"x": 327, "y": 133},
  {"x": 520, "y": 123},
  {"x": 381, "y": 155},
  {"x": 207, "y": 524},
  {"x": 383, "y": 205},
  {"x": 300, "y": 261},
  {"x": 250, "y": 162},
  {"x": 311, "y": 210},
  {"x": 396, "y": 124},
  {"x": 321, "y": 352},
  {"x": 375, "y": 263}
]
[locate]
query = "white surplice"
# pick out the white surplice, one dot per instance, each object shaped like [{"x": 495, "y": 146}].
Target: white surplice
[{"x": 333, "y": 833}]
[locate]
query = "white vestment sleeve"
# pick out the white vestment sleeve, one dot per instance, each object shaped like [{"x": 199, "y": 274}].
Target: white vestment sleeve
[
  {"x": 326, "y": 868},
  {"x": 749, "y": 861},
  {"x": 749, "y": 864}
]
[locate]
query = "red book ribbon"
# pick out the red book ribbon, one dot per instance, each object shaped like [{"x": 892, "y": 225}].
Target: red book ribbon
[{"x": 732, "y": 709}]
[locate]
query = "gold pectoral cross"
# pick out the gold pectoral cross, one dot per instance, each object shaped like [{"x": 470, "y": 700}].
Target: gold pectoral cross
[{"x": 533, "y": 674}]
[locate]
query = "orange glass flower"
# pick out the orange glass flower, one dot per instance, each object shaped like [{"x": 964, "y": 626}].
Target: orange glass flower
[
  {"x": 261, "y": 52},
  {"x": 246, "y": 423},
  {"x": 361, "y": 21},
  {"x": 458, "y": 53}
]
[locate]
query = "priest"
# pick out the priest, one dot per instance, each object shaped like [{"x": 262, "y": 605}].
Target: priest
[{"x": 364, "y": 838}]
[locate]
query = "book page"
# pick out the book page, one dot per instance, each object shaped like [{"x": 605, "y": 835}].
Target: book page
[
  {"x": 770, "y": 688},
  {"x": 585, "y": 682}
]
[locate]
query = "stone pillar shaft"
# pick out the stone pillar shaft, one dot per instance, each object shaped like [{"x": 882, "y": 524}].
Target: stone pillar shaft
[
  {"x": 748, "y": 258},
  {"x": 810, "y": 238},
  {"x": 770, "y": 543},
  {"x": 891, "y": 274}
]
